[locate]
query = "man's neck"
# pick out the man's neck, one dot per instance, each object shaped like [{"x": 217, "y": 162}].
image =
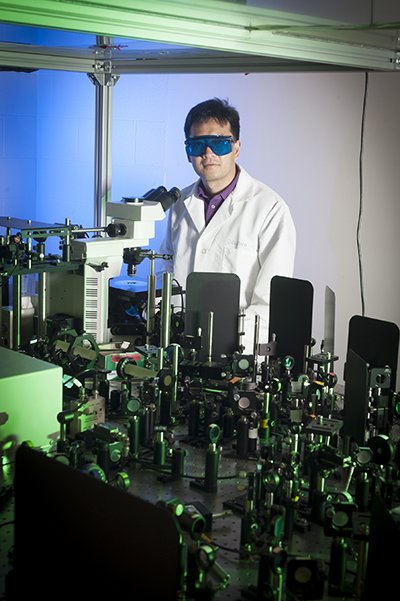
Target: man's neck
[{"x": 215, "y": 187}]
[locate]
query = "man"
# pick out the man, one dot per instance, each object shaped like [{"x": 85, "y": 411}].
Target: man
[{"x": 227, "y": 221}]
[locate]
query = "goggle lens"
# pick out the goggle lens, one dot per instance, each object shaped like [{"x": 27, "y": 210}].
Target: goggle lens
[{"x": 220, "y": 145}]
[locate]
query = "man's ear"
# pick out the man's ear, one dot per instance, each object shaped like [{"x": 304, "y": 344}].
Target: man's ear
[
  {"x": 237, "y": 145},
  {"x": 188, "y": 158}
]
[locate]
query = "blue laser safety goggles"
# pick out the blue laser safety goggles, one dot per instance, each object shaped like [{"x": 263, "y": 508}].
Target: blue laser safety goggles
[{"x": 220, "y": 145}]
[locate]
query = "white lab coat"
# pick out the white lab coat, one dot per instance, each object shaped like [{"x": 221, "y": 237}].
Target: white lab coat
[{"x": 252, "y": 234}]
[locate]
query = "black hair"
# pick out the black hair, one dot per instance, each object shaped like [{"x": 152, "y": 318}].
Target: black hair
[{"x": 217, "y": 109}]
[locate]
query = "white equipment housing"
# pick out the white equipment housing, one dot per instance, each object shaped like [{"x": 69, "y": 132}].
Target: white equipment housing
[{"x": 87, "y": 297}]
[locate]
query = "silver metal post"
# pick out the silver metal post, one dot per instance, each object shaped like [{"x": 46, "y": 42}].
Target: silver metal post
[
  {"x": 349, "y": 476},
  {"x": 102, "y": 153},
  {"x": 42, "y": 311},
  {"x": 164, "y": 327},
  {"x": 175, "y": 359},
  {"x": 165, "y": 310},
  {"x": 363, "y": 547},
  {"x": 160, "y": 365},
  {"x": 67, "y": 242},
  {"x": 151, "y": 298},
  {"x": 104, "y": 81},
  {"x": 29, "y": 252},
  {"x": 255, "y": 345},
  {"x": 210, "y": 335},
  {"x": 16, "y": 312},
  {"x": 160, "y": 358},
  {"x": 241, "y": 317}
]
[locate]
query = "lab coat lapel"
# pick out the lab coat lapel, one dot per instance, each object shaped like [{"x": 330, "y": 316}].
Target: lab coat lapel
[
  {"x": 195, "y": 209},
  {"x": 240, "y": 193},
  {"x": 222, "y": 215}
]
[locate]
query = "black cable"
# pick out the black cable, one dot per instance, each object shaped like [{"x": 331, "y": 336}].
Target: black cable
[
  {"x": 361, "y": 177},
  {"x": 7, "y": 524},
  {"x": 251, "y": 554},
  {"x": 218, "y": 547},
  {"x": 79, "y": 374},
  {"x": 360, "y": 210},
  {"x": 181, "y": 293}
]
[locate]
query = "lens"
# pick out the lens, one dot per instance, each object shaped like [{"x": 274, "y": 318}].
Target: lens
[
  {"x": 195, "y": 149},
  {"x": 220, "y": 145}
]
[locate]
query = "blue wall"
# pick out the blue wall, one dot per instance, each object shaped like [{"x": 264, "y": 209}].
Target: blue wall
[
  {"x": 47, "y": 135},
  {"x": 18, "y": 141},
  {"x": 46, "y": 138}
]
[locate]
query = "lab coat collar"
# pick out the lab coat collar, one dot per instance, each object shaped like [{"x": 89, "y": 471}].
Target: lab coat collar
[
  {"x": 244, "y": 188},
  {"x": 195, "y": 206}
]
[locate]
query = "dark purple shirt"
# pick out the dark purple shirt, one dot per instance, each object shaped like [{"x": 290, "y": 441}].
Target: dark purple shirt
[{"x": 212, "y": 203}]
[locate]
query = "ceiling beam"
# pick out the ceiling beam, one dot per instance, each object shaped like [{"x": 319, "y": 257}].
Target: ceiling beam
[{"x": 212, "y": 24}]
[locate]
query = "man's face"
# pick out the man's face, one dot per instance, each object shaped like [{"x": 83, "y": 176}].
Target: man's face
[{"x": 216, "y": 172}]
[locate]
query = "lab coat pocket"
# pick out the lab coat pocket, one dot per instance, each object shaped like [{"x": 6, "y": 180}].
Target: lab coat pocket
[{"x": 241, "y": 258}]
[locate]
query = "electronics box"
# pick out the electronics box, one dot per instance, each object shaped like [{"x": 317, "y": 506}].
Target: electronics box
[
  {"x": 30, "y": 399},
  {"x": 112, "y": 353}
]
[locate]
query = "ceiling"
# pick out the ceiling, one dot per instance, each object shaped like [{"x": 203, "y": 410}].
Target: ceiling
[{"x": 189, "y": 36}]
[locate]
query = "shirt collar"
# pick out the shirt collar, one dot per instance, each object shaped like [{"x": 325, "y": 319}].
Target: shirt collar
[{"x": 201, "y": 191}]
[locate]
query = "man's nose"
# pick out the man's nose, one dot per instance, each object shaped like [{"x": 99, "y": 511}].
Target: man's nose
[{"x": 208, "y": 152}]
